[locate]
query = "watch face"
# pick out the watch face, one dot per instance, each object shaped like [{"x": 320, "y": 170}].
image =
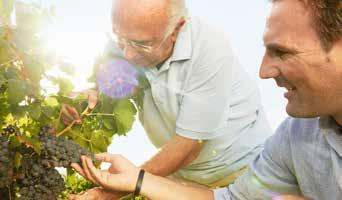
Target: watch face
[{"x": 117, "y": 78}]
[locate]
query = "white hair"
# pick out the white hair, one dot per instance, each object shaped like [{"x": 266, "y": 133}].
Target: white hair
[{"x": 178, "y": 10}]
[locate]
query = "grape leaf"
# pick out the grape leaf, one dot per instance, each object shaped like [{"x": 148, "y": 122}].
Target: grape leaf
[
  {"x": 99, "y": 141},
  {"x": 125, "y": 112},
  {"x": 6, "y": 8},
  {"x": 34, "y": 111},
  {"x": 16, "y": 91}
]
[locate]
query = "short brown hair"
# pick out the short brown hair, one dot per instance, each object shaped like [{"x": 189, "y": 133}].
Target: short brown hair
[{"x": 327, "y": 20}]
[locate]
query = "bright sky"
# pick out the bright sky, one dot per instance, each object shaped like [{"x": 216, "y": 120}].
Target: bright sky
[{"x": 80, "y": 34}]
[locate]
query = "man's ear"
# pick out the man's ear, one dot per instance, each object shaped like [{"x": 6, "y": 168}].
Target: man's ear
[{"x": 178, "y": 27}]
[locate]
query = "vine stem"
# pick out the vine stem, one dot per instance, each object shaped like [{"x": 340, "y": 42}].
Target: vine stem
[
  {"x": 85, "y": 111},
  {"x": 9, "y": 192},
  {"x": 8, "y": 62},
  {"x": 85, "y": 139},
  {"x": 68, "y": 128},
  {"x": 100, "y": 114}
]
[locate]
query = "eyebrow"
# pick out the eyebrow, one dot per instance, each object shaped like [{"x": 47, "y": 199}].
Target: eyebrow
[{"x": 276, "y": 46}]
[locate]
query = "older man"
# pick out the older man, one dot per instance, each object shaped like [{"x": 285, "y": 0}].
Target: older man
[
  {"x": 303, "y": 40},
  {"x": 202, "y": 110}
]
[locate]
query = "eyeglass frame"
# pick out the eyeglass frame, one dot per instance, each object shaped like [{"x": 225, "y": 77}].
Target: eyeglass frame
[{"x": 145, "y": 48}]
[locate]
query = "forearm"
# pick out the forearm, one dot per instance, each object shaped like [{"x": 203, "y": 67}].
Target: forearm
[
  {"x": 155, "y": 188},
  {"x": 172, "y": 156}
]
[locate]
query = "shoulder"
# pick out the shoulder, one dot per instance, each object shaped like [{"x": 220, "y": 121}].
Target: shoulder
[
  {"x": 209, "y": 42},
  {"x": 300, "y": 129},
  {"x": 296, "y": 132}
]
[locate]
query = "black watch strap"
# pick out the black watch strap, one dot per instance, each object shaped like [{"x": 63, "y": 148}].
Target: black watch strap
[{"x": 139, "y": 183}]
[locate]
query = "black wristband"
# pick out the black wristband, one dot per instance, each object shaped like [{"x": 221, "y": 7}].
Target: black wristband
[{"x": 139, "y": 183}]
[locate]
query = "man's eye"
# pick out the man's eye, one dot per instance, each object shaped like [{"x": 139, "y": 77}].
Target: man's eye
[
  {"x": 280, "y": 54},
  {"x": 142, "y": 43}
]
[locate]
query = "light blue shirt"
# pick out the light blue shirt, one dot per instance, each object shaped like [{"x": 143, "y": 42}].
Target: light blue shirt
[
  {"x": 303, "y": 158},
  {"x": 201, "y": 92}
]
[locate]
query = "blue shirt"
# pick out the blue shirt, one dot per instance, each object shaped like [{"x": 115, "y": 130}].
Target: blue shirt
[{"x": 303, "y": 158}]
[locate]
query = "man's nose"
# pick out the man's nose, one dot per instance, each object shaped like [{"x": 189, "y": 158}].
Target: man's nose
[{"x": 268, "y": 69}]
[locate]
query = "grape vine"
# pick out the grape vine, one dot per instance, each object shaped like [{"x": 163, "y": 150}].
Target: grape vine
[{"x": 33, "y": 140}]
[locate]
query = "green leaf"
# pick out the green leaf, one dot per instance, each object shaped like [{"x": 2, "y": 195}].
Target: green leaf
[
  {"x": 78, "y": 137},
  {"x": 67, "y": 68},
  {"x": 2, "y": 80},
  {"x": 50, "y": 112},
  {"x": 33, "y": 68},
  {"x": 11, "y": 73},
  {"x": 109, "y": 123},
  {"x": 6, "y": 8},
  {"x": 125, "y": 114},
  {"x": 28, "y": 17},
  {"x": 65, "y": 86},
  {"x": 50, "y": 108},
  {"x": 5, "y": 53},
  {"x": 51, "y": 101},
  {"x": 16, "y": 91},
  {"x": 17, "y": 111},
  {"x": 99, "y": 141},
  {"x": 34, "y": 111}
]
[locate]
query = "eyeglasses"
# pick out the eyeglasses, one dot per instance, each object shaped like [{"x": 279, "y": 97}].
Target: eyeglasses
[{"x": 140, "y": 46}]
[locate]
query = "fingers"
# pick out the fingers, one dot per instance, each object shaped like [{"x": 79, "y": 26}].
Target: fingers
[
  {"x": 73, "y": 197},
  {"x": 86, "y": 171},
  {"x": 73, "y": 113},
  {"x": 109, "y": 158},
  {"x": 92, "y": 98},
  {"x": 69, "y": 114},
  {"x": 94, "y": 173},
  {"x": 79, "y": 169},
  {"x": 83, "y": 171}
]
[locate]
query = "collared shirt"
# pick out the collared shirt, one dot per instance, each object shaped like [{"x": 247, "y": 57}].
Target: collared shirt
[
  {"x": 201, "y": 92},
  {"x": 303, "y": 158}
]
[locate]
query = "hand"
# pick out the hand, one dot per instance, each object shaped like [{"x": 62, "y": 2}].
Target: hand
[
  {"x": 97, "y": 193},
  {"x": 70, "y": 114},
  {"x": 121, "y": 176}
]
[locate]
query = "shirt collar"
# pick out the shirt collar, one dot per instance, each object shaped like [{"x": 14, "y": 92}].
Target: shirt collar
[
  {"x": 182, "y": 49},
  {"x": 183, "y": 46},
  {"x": 331, "y": 130}
]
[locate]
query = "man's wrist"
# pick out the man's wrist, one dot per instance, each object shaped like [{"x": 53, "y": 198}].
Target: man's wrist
[
  {"x": 133, "y": 180},
  {"x": 139, "y": 182}
]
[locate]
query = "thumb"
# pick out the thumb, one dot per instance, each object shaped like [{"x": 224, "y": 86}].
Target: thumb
[
  {"x": 103, "y": 157},
  {"x": 72, "y": 197},
  {"x": 92, "y": 99}
]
